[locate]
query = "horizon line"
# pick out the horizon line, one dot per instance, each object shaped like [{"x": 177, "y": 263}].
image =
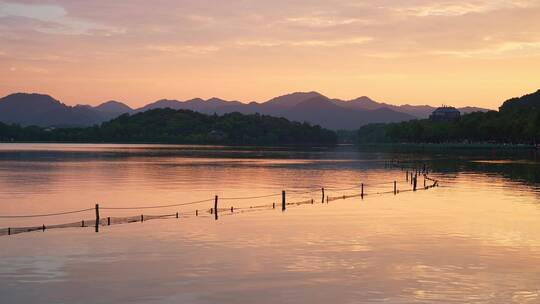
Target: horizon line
[{"x": 249, "y": 102}]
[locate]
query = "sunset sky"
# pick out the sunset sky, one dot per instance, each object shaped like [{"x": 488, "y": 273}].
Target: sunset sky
[{"x": 419, "y": 52}]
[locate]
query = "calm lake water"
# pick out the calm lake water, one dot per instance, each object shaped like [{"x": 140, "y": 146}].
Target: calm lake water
[{"x": 474, "y": 239}]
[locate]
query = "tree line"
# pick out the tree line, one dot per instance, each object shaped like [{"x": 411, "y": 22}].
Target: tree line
[
  {"x": 512, "y": 126},
  {"x": 180, "y": 127},
  {"x": 516, "y": 122}
]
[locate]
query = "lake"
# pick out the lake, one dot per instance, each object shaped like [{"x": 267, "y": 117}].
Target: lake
[{"x": 473, "y": 239}]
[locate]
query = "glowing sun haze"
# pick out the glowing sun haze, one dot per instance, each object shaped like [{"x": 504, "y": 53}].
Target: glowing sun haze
[{"x": 420, "y": 52}]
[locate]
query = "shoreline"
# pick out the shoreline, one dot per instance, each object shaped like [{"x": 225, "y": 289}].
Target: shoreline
[
  {"x": 457, "y": 146},
  {"x": 382, "y": 145}
]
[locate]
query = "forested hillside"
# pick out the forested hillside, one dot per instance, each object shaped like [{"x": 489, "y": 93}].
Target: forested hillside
[
  {"x": 181, "y": 126},
  {"x": 517, "y": 121}
]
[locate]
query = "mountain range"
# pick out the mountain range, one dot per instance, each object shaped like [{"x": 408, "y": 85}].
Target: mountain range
[
  {"x": 528, "y": 102},
  {"x": 315, "y": 108}
]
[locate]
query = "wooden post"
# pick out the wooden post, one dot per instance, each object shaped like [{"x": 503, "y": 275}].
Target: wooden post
[
  {"x": 414, "y": 182},
  {"x": 407, "y": 176},
  {"x": 142, "y": 218},
  {"x": 395, "y": 188},
  {"x": 97, "y": 217},
  {"x": 9, "y": 231},
  {"x": 82, "y": 223},
  {"x": 327, "y": 199},
  {"x": 215, "y": 208},
  {"x": 176, "y": 214},
  {"x": 108, "y": 220},
  {"x": 312, "y": 201},
  {"x": 273, "y": 205},
  {"x": 197, "y": 212},
  {"x": 322, "y": 200},
  {"x": 424, "y": 181},
  {"x": 43, "y": 228},
  {"x": 362, "y": 190},
  {"x": 232, "y": 209},
  {"x": 412, "y": 178},
  {"x": 283, "y": 200}
]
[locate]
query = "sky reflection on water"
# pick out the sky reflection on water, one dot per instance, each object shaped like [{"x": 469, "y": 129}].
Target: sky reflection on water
[{"x": 474, "y": 239}]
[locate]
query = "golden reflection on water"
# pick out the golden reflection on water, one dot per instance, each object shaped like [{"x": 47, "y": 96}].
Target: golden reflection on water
[{"x": 475, "y": 239}]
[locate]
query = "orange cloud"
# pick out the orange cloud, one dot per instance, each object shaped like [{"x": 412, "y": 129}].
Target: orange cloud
[{"x": 457, "y": 52}]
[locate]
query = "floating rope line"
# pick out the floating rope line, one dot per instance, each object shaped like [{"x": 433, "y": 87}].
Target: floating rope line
[
  {"x": 159, "y": 206},
  {"x": 377, "y": 184},
  {"x": 47, "y": 214},
  {"x": 356, "y": 186},
  {"x": 342, "y": 189},
  {"x": 297, "y": 192},
  {"x": 249, "y": 197},
  {"x": 211, "y": 212},
  {"x": 336, "y": 189}
]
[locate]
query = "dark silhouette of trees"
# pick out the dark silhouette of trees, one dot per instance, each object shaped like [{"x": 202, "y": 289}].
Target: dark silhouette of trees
[
  {"x": 181, "y": 126},
  {"x": 513, "y": 127},
  {"x": 516, "y": 122}
]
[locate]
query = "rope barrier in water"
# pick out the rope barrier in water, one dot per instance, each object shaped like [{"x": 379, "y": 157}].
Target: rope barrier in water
[
  {"x": 47, "y": 214},
  {"x": 305, "y": 192},
  {"x": 377, "y": 184},
  {"x": 194, "y": 202},
  {"x": 342, "y": 189},
  {"x": 249, "y": 197},
  {"x": 201, "y": 212},
  {"x": 158, "y": 206}
]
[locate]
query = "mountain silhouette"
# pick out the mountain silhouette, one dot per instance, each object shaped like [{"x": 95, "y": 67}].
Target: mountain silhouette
[
  {"x": 525, "y": 102},
  {"x": 113, "y": 106},
  {"x": 318, "y": 109},
  {"x": 292, "y": 99},
  {"x": 420, "y": 111},
  {"x": 312, "y": 107},
  {"x": 43, "y": 110},
  {"x": 361, "y": 103}
]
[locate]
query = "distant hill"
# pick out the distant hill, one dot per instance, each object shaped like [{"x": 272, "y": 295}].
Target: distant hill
[
  {"x": 210, "y": 106},
  {"x": 526, "y": 102},
  {"x": 311, "y": 107},
  {"x": 182, "y": 127},
  {"x": 420, "y": 112},
  {"x": 329, "y": 114},
  {"x": 43, "y": 110},
  {"x": 292, "y": 99},
  {"x": 517, "y": 122},
  {"x": 113, "y": 106}
]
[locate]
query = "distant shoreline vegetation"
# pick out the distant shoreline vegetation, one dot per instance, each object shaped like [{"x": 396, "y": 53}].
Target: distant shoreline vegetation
[
  {"x": 442, "y": 146},
  {"x": 168, "y": 126},
  {"x": 516, "y": 123}
]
